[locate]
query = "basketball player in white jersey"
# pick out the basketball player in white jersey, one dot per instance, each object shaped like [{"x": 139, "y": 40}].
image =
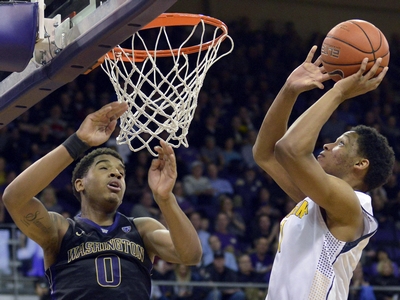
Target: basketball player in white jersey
[{"x": 322, "y": 238}]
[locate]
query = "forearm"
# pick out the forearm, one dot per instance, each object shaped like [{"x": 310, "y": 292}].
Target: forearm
[
  {"x": 274, "y": 125},
  {"x": 183, "y": 235},
  {"x": 301, "y": 137}
]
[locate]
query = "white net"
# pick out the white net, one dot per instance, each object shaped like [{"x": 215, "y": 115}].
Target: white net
[{"x": 162, "y": 90}]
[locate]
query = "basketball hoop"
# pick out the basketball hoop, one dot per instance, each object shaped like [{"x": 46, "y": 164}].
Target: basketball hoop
[{"x": 161, "y": 83}]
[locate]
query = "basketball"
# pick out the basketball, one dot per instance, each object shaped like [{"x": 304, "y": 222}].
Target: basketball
[{"x": 348, "y": 43}]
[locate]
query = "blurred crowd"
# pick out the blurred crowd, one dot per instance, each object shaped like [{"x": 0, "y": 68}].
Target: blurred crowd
[{"x": 233, "y": 204}]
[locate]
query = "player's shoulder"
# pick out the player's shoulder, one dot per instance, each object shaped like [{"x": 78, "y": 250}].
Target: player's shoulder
[
  {"x": 59, "y": 221},
  {"x": 146, "y": 224}
]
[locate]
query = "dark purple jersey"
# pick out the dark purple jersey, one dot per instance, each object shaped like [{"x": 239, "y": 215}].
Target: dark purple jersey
[{"x": 96, "y": 262}]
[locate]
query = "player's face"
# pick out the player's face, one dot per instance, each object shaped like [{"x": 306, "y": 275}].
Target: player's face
[
  {"x": 105, "y": 180},
  {"x": 339, "y": 158}
]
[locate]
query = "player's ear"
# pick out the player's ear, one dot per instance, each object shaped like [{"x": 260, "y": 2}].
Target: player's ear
[
  {"x": 78, "y": 184},
  {"x": 362, "y": 164}
]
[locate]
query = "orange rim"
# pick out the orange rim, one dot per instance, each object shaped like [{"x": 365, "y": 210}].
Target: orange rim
[{"x": 167, "y": 20}]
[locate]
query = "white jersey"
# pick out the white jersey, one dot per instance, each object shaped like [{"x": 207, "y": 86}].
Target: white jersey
[{"x": 310, "y": 262}]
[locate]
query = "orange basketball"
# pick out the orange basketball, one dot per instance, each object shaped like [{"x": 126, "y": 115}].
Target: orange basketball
[{"x": 348, "y": 43}]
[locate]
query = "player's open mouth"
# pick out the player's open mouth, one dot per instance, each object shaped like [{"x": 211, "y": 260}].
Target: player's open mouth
[{"x": 114, "y": 186}]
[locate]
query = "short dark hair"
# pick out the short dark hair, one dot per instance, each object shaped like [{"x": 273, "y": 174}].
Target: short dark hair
[
  {"x": 84, "y": 164},
  {"x": 375, "y": 147}
]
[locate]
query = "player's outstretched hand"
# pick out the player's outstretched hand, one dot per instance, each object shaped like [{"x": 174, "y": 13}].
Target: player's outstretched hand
[
  {"x": 360, "y": 83},
  {"x": 308, "y": 75},
  {"x": 162, "y": 173},
  {"x": 98, "y": 126}
]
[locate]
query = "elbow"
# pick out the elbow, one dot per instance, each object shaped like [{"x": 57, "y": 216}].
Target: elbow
[
  {"x": 256, "y": 153},
  {"x": 260, "y": 154},
  {"x": 6, "y": 196},
  {"x": 196, "y": 257},
  {"x": 285, "y": 151},
  {"x": 193, "y": 259}
]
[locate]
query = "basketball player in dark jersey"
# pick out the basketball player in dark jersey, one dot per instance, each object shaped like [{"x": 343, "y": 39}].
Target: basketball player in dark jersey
[{"x": 101, "y": 254}]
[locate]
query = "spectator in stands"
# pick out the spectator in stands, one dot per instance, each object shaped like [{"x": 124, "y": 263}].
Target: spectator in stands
[
  {"x": 229, "y": 153},
  {"x": 246, "y": 119},
  {"x": 247, "y": 186},
  {"x": 262, "y": 257},
  {"x": 264, "y": 227},
  {"x": 162, "y": 270},
  {"x": 215, "y": 245},
  {"x": 265, "y": 205},
  {"x": 185, "y": 274},
  {"x": 204, "y": 236},
  {"x": 218, "y": 272},
  {"x": 246, "y": 274},
  {"x": 145, "y": 207},
  {"x": 56, "y": 123},
  {"x": 237, "y": 225},
  {"x": 210, "y": 152},
  {"x": 383, "y": 255},
  {"x": 183, "y": 201},
  {"x": 220, "y": 185},
  {"x": 185, "y": 157},
  {"x": 246, "y": 150},
  {"x": 197, "y": 186},
  {"x": 385, "y": 278},
  {"x": 49, "y": 198},
  {"x": 210, "y": 128},
  {"x": 229, "y": 240},
  {"x": 235, "y": 131}
]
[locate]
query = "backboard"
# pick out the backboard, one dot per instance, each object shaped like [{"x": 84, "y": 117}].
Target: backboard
[{"x": 84, "y": 31}]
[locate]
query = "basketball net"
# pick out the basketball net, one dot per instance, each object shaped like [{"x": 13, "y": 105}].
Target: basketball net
[{"x": 161, "y": 83}]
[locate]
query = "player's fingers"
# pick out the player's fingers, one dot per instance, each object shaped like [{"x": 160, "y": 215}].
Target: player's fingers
[
  {"x": 160, "y": 152},
  {"x": 117, "y": 110},
  {"x": 363, "y": 67},
  {"x": 371, "y": 73},
  {"x": 318, "y": 62},
  {"x": 382, "y": 74},
  {"x": 311, "y": 54},
  {"x": 325, "y": 76}
]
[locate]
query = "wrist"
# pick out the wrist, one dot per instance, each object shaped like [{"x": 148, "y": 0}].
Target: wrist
[
  {"x": 337, "y": 95},
  {"x": 290, "y": 91},
  {"x": 75, "y": 146}
]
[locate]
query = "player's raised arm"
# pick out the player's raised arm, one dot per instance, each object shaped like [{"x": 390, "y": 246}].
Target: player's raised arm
[
  {"x": 180, "y": 243},
  {"x": 29, "y": 213},
  {"x": 331, "y": 181},
  {"x": 307, "y": 76}
]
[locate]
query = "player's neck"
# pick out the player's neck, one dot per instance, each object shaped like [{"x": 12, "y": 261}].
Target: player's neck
[{"x": 100, "y": 218}]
